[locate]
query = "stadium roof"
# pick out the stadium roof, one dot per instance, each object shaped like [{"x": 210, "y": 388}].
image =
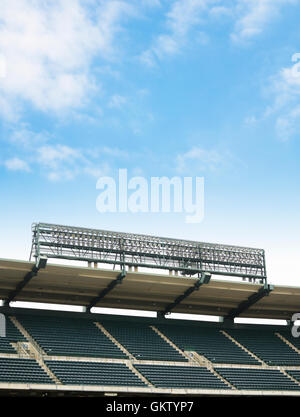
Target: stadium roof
[{"x": 75, "y": 285}]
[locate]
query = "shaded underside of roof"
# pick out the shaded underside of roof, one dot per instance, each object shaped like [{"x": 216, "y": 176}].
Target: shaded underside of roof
[{"x": 75, "y": 285}]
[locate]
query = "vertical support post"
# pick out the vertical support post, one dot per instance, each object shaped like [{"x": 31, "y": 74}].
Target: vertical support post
[
  {"x": 122, "y": 255},
  {"x": 265, "y": 269},
  {"x": 200, "y": 259},
  {"x": 37, "y": 237}
]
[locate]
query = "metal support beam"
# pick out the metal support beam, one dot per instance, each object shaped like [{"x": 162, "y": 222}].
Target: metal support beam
[
  {"x": 41, "y": 263},
  {"x": 106, "y": 290},
  {"x": 204, "y": 279},
  {"x": 254, "y": 298}
]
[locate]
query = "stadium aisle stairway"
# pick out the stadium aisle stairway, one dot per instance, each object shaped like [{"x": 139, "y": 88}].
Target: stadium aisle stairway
[
  {"x": 142, "y": 341},
  {"x": 210, "y": 343},
  {"x": 294, "y": 373},
  {"x": 267, "y": 346}
]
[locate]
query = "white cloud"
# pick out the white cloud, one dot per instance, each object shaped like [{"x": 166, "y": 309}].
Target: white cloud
[
  {"x": 250, "y": 120},
  {"x": 97, "y": 170},
  {"x": 221, "y": 11},
  {"x": 58, "y": 162},
  {"x": 3, "y": 66},
  {"x": 148, "y": 58},
  {"x": 117, "y": 101},
  {"x": 182, "y": 17},
  {"x": 185, "y": 14},
  {"x": 151, "y": 3},
  {"x": 49, "y": 47},
  {"x": 51, "y": 156},
  {"x": 285, "y": 94},
  {"x": 61, "y": 162},
  {"x": 62, "y": 175},
  {"x": 252, "y": 16},
  {"x": 202, "y": 160},
  {"x": 26, "y": 138},
  {"x": 16, "y": 164}
]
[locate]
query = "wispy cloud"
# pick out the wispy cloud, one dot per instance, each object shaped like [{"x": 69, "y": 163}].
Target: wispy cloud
[
  {"x": 117, "y": 101},
  {"x": 61, "y": 162},
  {"x": 186, "y": 21},
  {"x": 37, "y": 152},
  {"x": 253, "y": 16},
  {"x": 285, "y": 95},
  {"x": 16, "y": 164},
  {"x": 200, "y": 160},
  {"x": 49, "y": 47},
  {"x": 24, "y": 137},
  {"x": 181, "y": 18},
  {"x": 51, "y": 156}
]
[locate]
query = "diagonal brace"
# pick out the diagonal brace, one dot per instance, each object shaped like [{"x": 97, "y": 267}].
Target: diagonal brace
[
  {"x": 40, "y": 264},
  {"x": 204, "y": 279},
  {"x": 254, "y": 298},
  {"x": 106, "y": 290}
]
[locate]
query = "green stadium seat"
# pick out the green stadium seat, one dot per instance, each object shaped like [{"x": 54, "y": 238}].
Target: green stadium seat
[
  {"x": 94, "y": 373},
  {"x": 12, "y": 335},
  {"x": 22, "y": 371},
  {"x": 69, "y": 337},
  {"x": 266, "y": 345},
  {"x": 142, "y": 341},
  {"x": 258, "y": 379},
  {"x": 169, "y": 376},
  {"x": 208, "y": 342}
]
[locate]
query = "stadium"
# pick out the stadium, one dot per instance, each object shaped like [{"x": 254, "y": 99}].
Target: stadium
[{"x": 66, "y": 353}]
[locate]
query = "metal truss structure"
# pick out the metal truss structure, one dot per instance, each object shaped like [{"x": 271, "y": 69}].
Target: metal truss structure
[{"x": 127, "y": 249}]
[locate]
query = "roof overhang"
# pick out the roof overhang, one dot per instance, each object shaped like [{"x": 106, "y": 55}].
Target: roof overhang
[{"x": 74, "y": 285}]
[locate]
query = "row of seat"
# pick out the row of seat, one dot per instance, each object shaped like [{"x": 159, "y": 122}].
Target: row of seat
[
  {"x": 81, "y": 337},
  {"x": 258, "y": 379},
  {"x": 161, "y": 376},
  {"x": 211, "y": 343},
  {"x": 267, "y": 346},
  {"x": 142, "y": 342},
  {"x": 22, "y": 371},
  {"x": 69, "y": 337},
  {"x": 181, "y": 377},
  {"x": 12, "y": 335},
  {"x": 96, "y": 373}
]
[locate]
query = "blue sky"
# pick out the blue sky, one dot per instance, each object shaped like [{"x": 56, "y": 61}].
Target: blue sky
[{"x": 206, "y": 88}]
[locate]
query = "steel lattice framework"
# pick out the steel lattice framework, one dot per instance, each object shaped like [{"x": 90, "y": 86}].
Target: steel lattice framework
[{"x": 187, "y": 257}]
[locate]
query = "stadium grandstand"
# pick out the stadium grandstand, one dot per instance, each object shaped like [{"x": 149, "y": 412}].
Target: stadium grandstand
[{"x": 87, "y": 353}]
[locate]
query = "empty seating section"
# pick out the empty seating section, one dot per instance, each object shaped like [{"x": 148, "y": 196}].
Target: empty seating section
[
  {"x": 70, "y": 337},
  {"x": 267, "y": 346},
  {"x": 294, "y": 373},
  {"x": 181, "y": 377},
  {"x": 209, "y": 342},
  {"x": 22, "y": 371},
  {"x": 94, "y": 373},
  {"x": 287, "y": 334},
  {"x": 258, "y": 379},
  {"x": 12, "y": 335},
  {"x": 73, "y": 336},
  {"x": 142, "y": 342}
]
